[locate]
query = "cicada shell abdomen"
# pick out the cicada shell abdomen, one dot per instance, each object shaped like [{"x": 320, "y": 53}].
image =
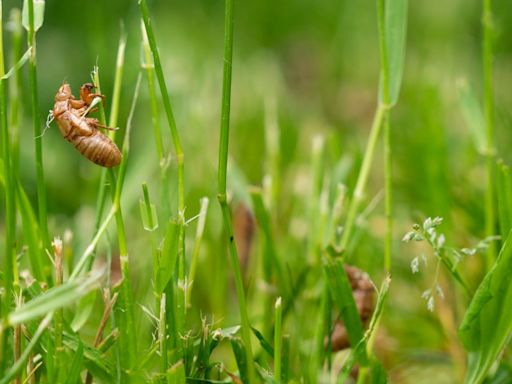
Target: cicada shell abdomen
[{"x": 98, "y": 148}]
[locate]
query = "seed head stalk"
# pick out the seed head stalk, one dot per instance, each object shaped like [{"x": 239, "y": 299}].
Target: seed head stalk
[
  {"x": 222, "y": 176},
  {"x": 383, "y": 45}
]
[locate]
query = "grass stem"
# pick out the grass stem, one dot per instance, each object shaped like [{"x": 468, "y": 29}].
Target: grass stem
[
  {"x": 10, "y": 274},
  {"x": 36, "y": 121},
  {"x": 277, "y": 340},
  {"x": 487, "y": 58},
  {"x": 384, "y": 65},
  {"x": 222, "y": 177},
  {"x": 362, "y": 178},
  {"x": 180, "y": 159}
]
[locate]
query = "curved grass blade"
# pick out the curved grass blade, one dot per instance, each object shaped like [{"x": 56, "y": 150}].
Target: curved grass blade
[
  {"x": 487, "y": 323},
  {"x": 54, "y": 298}
]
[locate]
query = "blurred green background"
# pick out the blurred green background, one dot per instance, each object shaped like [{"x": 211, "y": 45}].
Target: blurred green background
[{"x": 319, "y": 63}]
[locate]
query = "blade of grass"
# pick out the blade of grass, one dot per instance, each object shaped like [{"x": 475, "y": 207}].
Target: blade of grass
[
  {"x": 504, "y": 187},
  {"x": 263, "y": 217},
  {"x": 362, "y": 178},
  {"x": 392, "y": 16},
  {"x": 323, "y": 319},
  {"x": 36, "y": 118},
  {"x": 30, "y": 227},
  {"x": 10, "y": 272},
  {"x": 20, "y": 363},
  {"x": 15, "y": 89},
  {"x": 94, "y": 360},
  {"x": 489, "y": 306},
  {"x": 369, "y": 339},
  {"x": 473, "y": 115},
  {"x": 487, "y": 58},
  {"x": 118, "y": 78},
  {"x": 180, "y": 159},
  {"x": 392, "y": 21},
  {"x": 222, "y": 177},
  {"x": 341, "y": 292},
  {"x": 126, "y": 288},
  {"x": 277, "y": 340},
  {"x": 88, "y": 253},
  {"x": 197, "y": 244},
  {"x": 272, "y": 151},
  {"x": 73, "y": 375},
  {"x": 317, "y": 175},
  {"x": 55, "y": 298},
  {"x": 163, "y": 157}
]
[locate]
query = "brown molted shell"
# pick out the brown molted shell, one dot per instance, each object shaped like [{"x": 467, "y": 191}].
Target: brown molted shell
[{"x": 98, "y": 148}]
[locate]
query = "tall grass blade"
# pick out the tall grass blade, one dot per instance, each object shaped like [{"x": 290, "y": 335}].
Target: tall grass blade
[
  {"x": 487, "y": 323},
  {"x": 18, "y": 64},
  {"x": 473, "y": 116},
  {"x": 504, "y": 190},
  {"x": 30, "y": 228},
  {"x": 341, "y": 292},
  {"x": 73, "y": 375},
  {"x": 32, "y": 19},
  {"x": 54, "y": 298},
  {"x": 168, "y": 257},
  {"x": 241, "y": 359},
  {"x": 270, "y": 253},
  {"x": 396, "y": 31},
  {"x": 20, "y": 363}
]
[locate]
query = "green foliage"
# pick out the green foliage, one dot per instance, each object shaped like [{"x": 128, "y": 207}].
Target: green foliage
[
  {"x": 341, "y": 293},
  {"x": 395, "y": 33},
  {"x": 489, "y": 306},
  {"x": 300, "y": 174},
  {"x": 54, "y": 298}
]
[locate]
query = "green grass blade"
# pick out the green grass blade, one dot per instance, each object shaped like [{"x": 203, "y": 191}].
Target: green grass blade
[
  {"x": 395, "y": 35},
  {"x": 197, "y": 243},
  {"x": 83, "y": 311},
  {"x": 32, "y": 234},
  {"x": 270, "y": 253},
  {"x": 18, "y": 64},
  {"x": 267, "y": 347},
  {"x": 487, "y": 322},
  {"x": 341, "y": 292},
  {"x": 473, "y": 116},
  {"x": 489, "y": 113},
  {"x": 54, "y": 298},
  {"x": 168, "y": 257},
  {"x": 176, "y": 374},
  {"x": 73, "y": 376},
  {"x": 241, "y": 359},
  {"x": 377, "y": 373},
  {"x": 13, "y": 371},
  {"x": 94, "y": 361},
  {"x": 32, "y": 19},
  {"x": 278, "y": 340},
  {"x": 504, "y": 190},
  {"x": 30, "y": 228}
]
